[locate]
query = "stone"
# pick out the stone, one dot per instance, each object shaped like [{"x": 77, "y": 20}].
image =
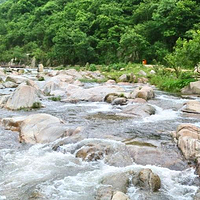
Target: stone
[
  {"x": 144, "y": 92},
  {"x": 188, "y": 137},
  {"x": 40, "y": 67},
  {"x": 152, "y": 72},
  {"x": 110, "y": 82},
  {"x": 95, "y": 150},
  {"x": 13, "y": 123},
  {"x": 120, "y": 196},
  {"x": 148, "y": 180},
  {"x": 123, "y": 78},
  {"x": 137, "y": 100},
  {"x": 192, "y": 107},
  {"x": 41, "y": 128},
  {"x": 142, "y": 73},
  {"x": 50, "y": 86},
  {"x": 109, "y": 98},
  {"x": 104, "y": 193},
  {"x": 3, "y": 100},
  {"x": 10, "y": 84},
  {"x": 16, "y": 79},
  {"x": 119, "y": 101},
  {"x": 94, "y": 94},
  {"x": 138, "y": 110},
  {"x": 119, "y": 181},
  {"x": 23, "y": 97},
  {"x": 192, "y": 88}
]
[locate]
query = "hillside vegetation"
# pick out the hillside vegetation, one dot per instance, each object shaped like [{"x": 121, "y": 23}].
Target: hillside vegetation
[{"x": 100, "y": 31}]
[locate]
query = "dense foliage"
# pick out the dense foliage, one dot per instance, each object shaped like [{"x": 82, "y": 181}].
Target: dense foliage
[{"x": 100, "y": 31}]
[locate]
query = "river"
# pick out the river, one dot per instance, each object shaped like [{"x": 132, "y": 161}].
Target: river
[{"x": 39, "y": 172}]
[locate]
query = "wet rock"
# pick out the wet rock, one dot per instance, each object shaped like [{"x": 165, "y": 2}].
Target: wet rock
[
  {"x": 144, "y": 92},
  {"x": 197, "y": 195},
  {"x": 137, "y": 100},
  {"x": 119, "y": 101},
  {"x": 3, "y": 100},
  {"x": 50, "y": 86},
  {"x": 94, "y": 94},
  {"x": 10, "y": 84},
  {"x": 13, "y": 123},
  {"x": 149, "y": 181},
  {"x": 104, "y": 193},
  {"x": 120, "y": 196},
  {"x": 23, "y": 97},
  {"x": 16, "y": 79},
  {"x": 192, "y": 107},
  {"x": 109, "y": 98},
  {"x": 41, "y": 128},
  {"x": 119, "y": 181},
  {"x": 188, "y": 140},
  {"x": 113, "y": 154},
  {"x": 2, "y": 86},
  {"x": 138, "y": 110}
]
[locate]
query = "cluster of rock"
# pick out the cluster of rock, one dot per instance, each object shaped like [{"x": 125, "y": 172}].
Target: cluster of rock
[{"x": 113, "y": 189}]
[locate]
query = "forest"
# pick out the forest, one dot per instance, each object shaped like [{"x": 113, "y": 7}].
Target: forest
[{"x": 71, "y": 32}]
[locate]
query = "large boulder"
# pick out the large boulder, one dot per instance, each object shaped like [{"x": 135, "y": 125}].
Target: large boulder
[
  {"x": 3, "y": 100},
  {"x": 24, "y": 96},
  {"x": 192, "y": 107},
  {"x": 148, "y": 180},
  {"x": 138, "y": 110},
  {"x": 97, "y": 93},
  {"x": 187, "y": 136},
  {"x": 144, "y": 92},
  {"x": 41, "y": 128},
  {"x": 192, "y": 88}
]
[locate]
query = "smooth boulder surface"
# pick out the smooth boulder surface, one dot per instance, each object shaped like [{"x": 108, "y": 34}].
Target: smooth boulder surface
[
  {"x": 41, "y": 128},
  {"x": 96, "y": 93},
  {"x": 138, "y": 110},
  {"x": 192, "y": 107},
  {"x": 120, "y": 196},
  {"x": 192, "y": 88},
  {"x": 187, "y": 136},
  {"x": 144, "y": 92},
  {"x": 23, "y": 97}
]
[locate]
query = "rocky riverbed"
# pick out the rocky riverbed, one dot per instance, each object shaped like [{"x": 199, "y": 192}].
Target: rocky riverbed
[{"x": 104, "y": 141}]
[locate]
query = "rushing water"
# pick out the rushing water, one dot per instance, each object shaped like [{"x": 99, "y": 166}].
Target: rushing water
[{"x": 38, "y": 172}]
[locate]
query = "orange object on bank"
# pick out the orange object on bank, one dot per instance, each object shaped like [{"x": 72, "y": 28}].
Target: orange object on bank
[{"x": 144, "y": 62}]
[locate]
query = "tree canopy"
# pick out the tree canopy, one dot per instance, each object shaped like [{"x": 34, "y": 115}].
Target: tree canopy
[{"x": 100, "y": 31}]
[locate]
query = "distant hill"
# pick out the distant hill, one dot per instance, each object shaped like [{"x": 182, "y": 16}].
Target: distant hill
[{"x": 94, "y": 31}]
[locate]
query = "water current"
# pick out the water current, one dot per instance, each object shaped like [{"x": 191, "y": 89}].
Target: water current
[{"x": 39, "y": 172}]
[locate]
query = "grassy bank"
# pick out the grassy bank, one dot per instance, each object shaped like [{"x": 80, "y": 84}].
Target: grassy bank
[{"x": 163, "y": 78}]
